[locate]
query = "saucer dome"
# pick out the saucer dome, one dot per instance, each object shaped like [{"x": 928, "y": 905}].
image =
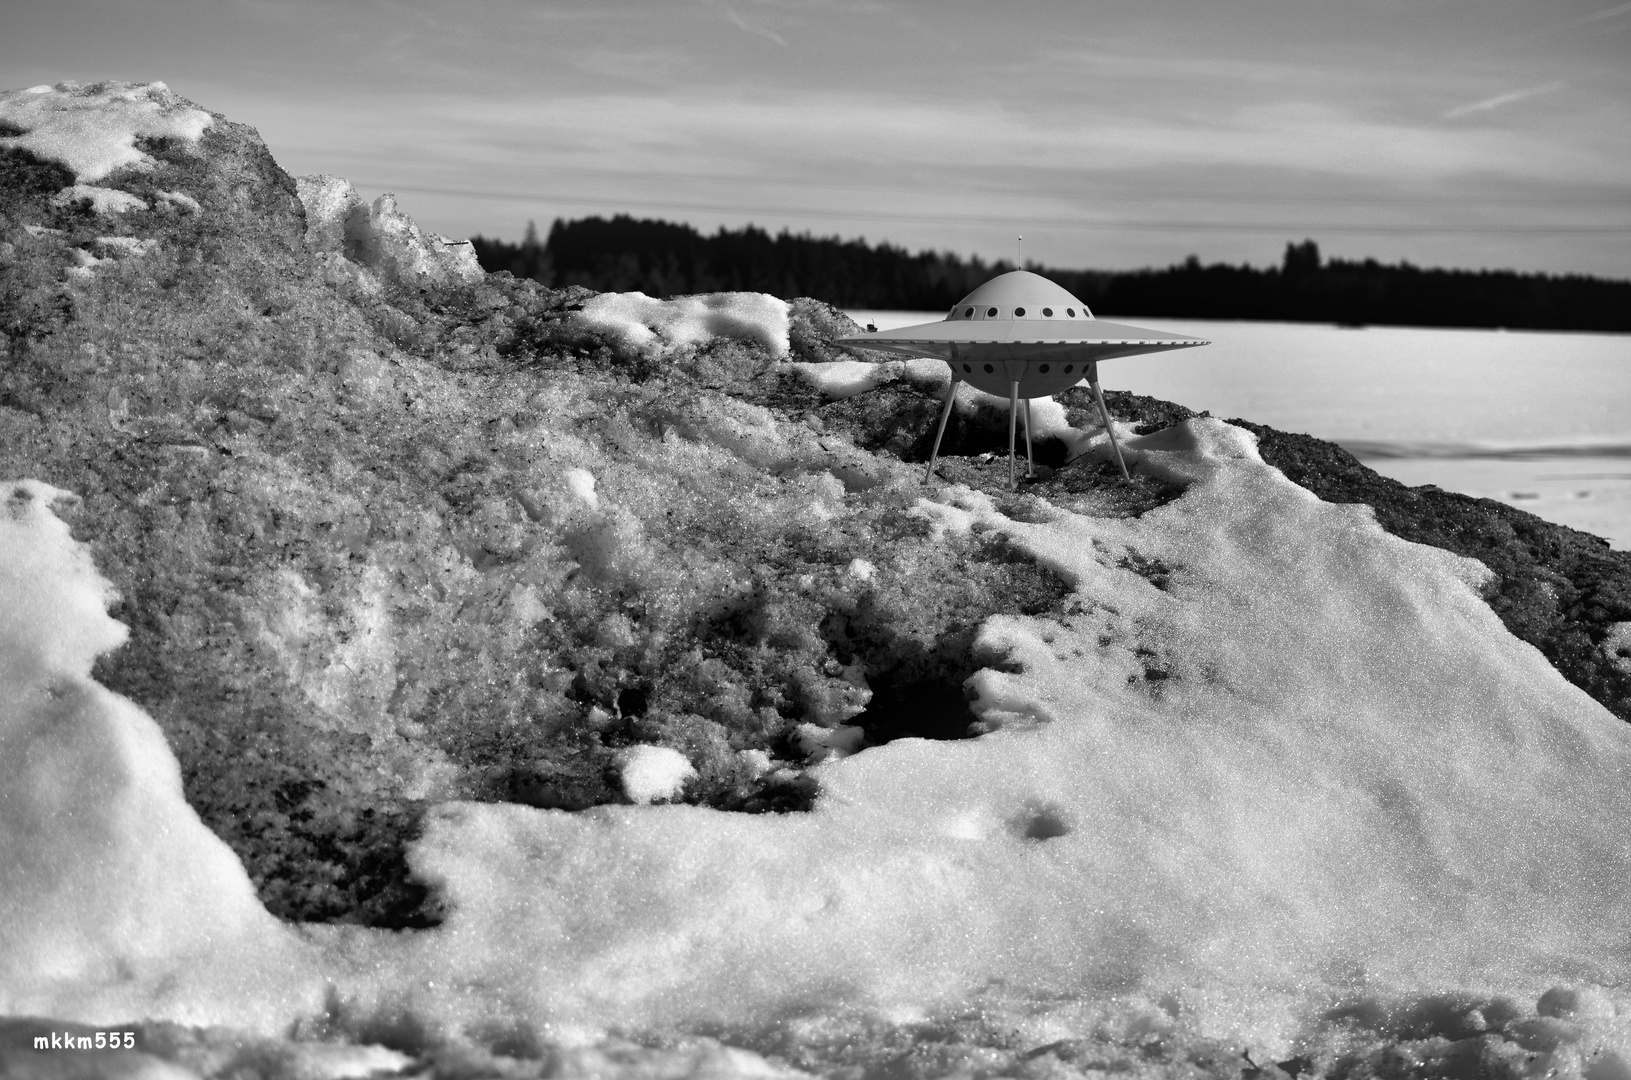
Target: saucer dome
[
  {"x": 1019, "y": 327},
  {"x": 1019, "y": 294}
]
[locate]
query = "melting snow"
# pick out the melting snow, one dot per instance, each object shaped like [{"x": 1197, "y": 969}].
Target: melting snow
[
  {"x": 93, "y": 129},
  {"x": 659, "y": 327},
  {"x": 103, "y": 200},
  {"x": 1307, "y": 767}
]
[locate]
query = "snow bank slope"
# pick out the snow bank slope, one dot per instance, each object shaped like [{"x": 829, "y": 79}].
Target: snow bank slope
[
  {"x": 114, "y": 898},
  {"x": 1275, "y": 759}
]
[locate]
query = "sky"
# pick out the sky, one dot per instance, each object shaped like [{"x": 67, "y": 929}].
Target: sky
[{"x": 1114, "y": 134}]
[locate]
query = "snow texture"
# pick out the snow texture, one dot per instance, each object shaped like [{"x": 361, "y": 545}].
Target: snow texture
[
  {"x": 93, "y": 129},
  {"x": 1307, "y": 766},
  {"x": 660, "y": 327}
]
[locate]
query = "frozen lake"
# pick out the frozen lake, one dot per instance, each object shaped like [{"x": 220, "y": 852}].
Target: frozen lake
[{"x": 1539, "y": 420}]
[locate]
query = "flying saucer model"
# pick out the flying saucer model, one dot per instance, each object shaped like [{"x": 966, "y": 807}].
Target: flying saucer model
[{"x": 1021, "y": 335}]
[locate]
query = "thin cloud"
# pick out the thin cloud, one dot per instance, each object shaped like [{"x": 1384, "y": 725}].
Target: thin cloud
[
  {"x": 1597, "y": 16},
  {"x": 753, "y": 28},
  {"x": 1500, "y": 100}
]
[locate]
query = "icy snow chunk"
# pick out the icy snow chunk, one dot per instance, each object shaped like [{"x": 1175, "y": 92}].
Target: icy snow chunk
[
  {"x": 658, "y": 327},
  {"x": 329, "y": 203},
  {"x": 753, "y": 762},
  {"x": 862, "y": 570},
  {"x": 581, "y": 483},
  {"x": 650, "y": 773},
  {"x": 93, "y": 129},
  {"x": 381, "y": 237},
  {"x": 103, "y": 200},
  {"x": 116, "y": 900},
  {"x": 395, "y": 243}
]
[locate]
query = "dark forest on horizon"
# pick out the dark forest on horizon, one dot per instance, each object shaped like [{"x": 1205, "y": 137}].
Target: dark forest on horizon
[{"x": 660, "y": 258}]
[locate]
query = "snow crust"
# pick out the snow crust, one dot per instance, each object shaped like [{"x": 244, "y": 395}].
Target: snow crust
[
  {"x": 1301, "y": 768},
  {"x": 661, "y": 327},
  {"x": 93, "y": 129}
]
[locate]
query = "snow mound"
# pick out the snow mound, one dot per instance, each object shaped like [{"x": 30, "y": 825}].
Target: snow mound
[
  {"x": 650, "y": 773},
  {"x": 380, "y": 237},
  {"x": 1307, "y": 767},
  {"x": 1274, "y": 779},
  {"x": 93, "y": 129},
  {"x": 116, "y": 901},
  {"x": 659, "y": 327}
]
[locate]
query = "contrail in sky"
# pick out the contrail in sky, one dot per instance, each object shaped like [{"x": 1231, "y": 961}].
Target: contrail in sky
[{"x": 1503, "y": 99}]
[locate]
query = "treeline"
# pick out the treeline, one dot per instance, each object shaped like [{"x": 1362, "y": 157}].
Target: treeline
[{"x": 660, "y": 258}]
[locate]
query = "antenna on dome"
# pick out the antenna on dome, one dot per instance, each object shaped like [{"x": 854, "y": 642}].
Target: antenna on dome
[{"x": 1019, "y": 252}]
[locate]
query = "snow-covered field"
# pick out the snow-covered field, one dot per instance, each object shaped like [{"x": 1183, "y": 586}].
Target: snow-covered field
[
  {"x": 1302, "y": 797},
  {"x": 1534, "y": 419}
]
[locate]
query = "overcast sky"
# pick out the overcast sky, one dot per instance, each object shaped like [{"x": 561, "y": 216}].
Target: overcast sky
[{"x": 1112, "y": 134}]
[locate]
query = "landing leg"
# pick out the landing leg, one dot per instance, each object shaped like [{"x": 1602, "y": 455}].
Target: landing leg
[
  {"x": 1030, "y": 462},
  {"x": 1013, "y": 423},
  {"x": 945, "y": 414},
  {"x": 1104, "y": 412}
]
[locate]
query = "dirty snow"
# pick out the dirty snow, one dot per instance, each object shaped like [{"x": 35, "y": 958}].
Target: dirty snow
[{"x": 1307, "y": 769}]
